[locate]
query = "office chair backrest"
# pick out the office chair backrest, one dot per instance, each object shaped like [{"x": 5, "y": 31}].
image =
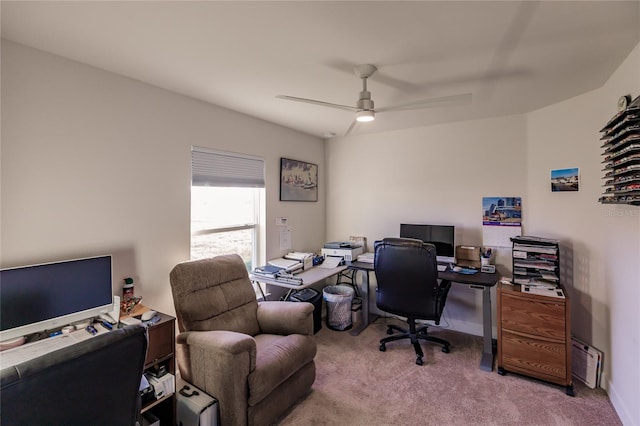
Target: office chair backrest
[
  {"x": 407, "y": 276},
  {"x": 94, "y": 382}
]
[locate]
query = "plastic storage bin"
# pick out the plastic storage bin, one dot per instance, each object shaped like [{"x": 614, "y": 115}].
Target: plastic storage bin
[
  {"x": 315, "y": 298},
  {"x": 338, "y": 299}
]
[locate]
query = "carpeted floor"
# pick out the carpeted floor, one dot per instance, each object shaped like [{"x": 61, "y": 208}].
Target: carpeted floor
[{"x": 356, "y": 384}]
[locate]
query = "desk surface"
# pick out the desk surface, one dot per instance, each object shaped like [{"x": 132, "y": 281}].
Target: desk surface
[
  {"x": 309, "y": 277},
  {"x": 479, "y": 278}
]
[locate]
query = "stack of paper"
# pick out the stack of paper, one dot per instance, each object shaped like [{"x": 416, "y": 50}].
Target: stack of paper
[
  {"x": 267, "y": 271},
  {"x": 288, "y": 265},
  {"x": 297, "y": 255},
  {"x": 543, "y": 291},
  {"x": 366, "y": 257}
]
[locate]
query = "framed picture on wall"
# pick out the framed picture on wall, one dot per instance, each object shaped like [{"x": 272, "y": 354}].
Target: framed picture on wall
[
  {"x": 298, "y": 180},
  {"x": 565, "y": 180}
]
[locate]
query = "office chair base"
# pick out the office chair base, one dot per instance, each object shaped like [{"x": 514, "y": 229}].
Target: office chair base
[{"x": 414, "y": 335}]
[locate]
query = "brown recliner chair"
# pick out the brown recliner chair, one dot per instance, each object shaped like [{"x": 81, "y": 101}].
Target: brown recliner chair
[{"x": 257, "y": 359}]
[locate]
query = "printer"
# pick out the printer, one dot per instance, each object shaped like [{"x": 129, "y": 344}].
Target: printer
[{"x": 348, "y": 251}]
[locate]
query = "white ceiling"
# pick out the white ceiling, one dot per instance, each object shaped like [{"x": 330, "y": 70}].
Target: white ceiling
[{"x": 513, "y": 56}]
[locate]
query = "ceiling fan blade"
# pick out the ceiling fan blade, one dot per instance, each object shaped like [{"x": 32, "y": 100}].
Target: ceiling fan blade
[
  {"x": 453, "y": 100},
  {"x": 351, "y": 127},
  {"x": 321, "y": 103}
]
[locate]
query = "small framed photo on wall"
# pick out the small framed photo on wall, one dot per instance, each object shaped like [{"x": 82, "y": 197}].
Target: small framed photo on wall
[
  {"x": 565, "y": 180},
  {"x": 298, "y": 180}
]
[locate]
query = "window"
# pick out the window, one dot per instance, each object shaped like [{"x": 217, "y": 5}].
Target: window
[{"x": 226, "y": 194}]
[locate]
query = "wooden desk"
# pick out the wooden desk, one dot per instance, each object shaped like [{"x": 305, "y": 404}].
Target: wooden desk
[
  {"x": 309, "y": 277},
  {"x": 479, "y": 281}
]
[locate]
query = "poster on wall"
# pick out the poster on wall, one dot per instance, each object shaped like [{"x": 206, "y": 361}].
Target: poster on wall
[
  {"x": 501, "y": 220},
  {"x": 298, "y": 180},
  {"x": 565, "y": 180}
]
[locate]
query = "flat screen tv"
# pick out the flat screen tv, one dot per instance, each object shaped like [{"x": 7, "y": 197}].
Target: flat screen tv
[
  {"x": 441, "y": 236},
  {"x": 49, "y": 296}
]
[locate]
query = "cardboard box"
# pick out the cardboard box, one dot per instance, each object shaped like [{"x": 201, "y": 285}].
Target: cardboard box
[{"x": 468, "y": 256}]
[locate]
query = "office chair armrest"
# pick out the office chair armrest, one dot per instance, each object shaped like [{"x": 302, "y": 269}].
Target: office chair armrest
[{"x": 285, "y": 318}]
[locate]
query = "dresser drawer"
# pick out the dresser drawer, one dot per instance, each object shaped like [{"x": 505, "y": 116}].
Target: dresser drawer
[
  {"x": 545, "y": 319},
  {"x": 541, "y": 358}
]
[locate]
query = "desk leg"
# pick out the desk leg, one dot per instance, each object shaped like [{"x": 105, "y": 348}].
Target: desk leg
[
  {"x": 364, "y": 291},
  {"x": 260, "y": 288},
  {"x": 486, "y": 363}
]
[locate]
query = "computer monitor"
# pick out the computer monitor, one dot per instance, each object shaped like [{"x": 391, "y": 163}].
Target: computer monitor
[
  {"x": 441, "y": 236},
  {"x": 47, "y": 296}
]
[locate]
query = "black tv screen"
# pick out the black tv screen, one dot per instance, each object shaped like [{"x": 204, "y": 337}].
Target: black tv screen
[
  {"x": 441, "y": 236},
  {"x": 39, "y": 297}
]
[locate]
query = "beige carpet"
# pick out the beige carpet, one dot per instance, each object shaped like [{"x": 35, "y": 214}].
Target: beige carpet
[{"x": 357, "y": 384}]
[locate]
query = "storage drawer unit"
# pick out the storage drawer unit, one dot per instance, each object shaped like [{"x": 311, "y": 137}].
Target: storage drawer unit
[{"x": 534, "y": 336}]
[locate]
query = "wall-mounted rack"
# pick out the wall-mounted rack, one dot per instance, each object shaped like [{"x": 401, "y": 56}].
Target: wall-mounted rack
[{"x": 621, "y": 152}]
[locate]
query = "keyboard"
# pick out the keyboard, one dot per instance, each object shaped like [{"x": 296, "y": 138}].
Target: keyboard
[
  {"x": 28, "y": 351},
  {"x": 442, "y": 268}
]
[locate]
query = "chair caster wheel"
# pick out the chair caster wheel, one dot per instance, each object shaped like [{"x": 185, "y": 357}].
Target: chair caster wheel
[
  {"x": 445, "y": 349},
  {"x": 383, "y": 347},
  {"x": 419, "y": 361}
]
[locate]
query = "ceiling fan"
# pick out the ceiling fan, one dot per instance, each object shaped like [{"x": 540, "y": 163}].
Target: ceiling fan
[{"x": 365, "y": 110}]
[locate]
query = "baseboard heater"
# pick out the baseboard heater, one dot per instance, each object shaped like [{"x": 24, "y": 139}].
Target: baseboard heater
[{"x": 586, "y": 363}]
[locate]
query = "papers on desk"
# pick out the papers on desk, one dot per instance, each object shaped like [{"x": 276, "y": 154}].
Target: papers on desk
[
  {"x": 289, "y": 265},
  {"x": 543, "y": 291},
  {"x": 366, "y": 257},
  {"x": 267, "y": 271},
  {"x": 276, "y": 273},
  {"x": 330, "y": 262},
  {"x": 297, "y": 255}
]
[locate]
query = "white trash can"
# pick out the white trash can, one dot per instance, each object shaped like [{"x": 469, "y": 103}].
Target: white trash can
[{"x": 338, "y": 299}]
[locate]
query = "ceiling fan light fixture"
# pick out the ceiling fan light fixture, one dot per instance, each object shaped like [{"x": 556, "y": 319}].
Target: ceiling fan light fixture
[{"x": 364, "y": 116}]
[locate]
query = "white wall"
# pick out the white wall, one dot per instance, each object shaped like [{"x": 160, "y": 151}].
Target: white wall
[
  {"x": 435, "y": 175},
  {"x": 95, "y": 163},
  {"x": 439, "y": 174},
  {"x": 602, "y": 242}
]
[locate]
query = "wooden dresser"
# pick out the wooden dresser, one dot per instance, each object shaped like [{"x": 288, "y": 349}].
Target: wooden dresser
[{"x": 534, "y": 335}]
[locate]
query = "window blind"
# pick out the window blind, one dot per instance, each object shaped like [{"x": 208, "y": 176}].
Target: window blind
[{"x": 219, "y": 168}]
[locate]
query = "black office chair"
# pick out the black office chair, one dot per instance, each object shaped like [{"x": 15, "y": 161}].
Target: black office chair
[
  {"x": 94, "y": 382},
  {"x": 406, "y": 272}
]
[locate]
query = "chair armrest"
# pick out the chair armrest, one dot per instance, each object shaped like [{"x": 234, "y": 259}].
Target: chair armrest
[
  {"x": 285, "y": 318},
  {"x": 219, "y": 363}
]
